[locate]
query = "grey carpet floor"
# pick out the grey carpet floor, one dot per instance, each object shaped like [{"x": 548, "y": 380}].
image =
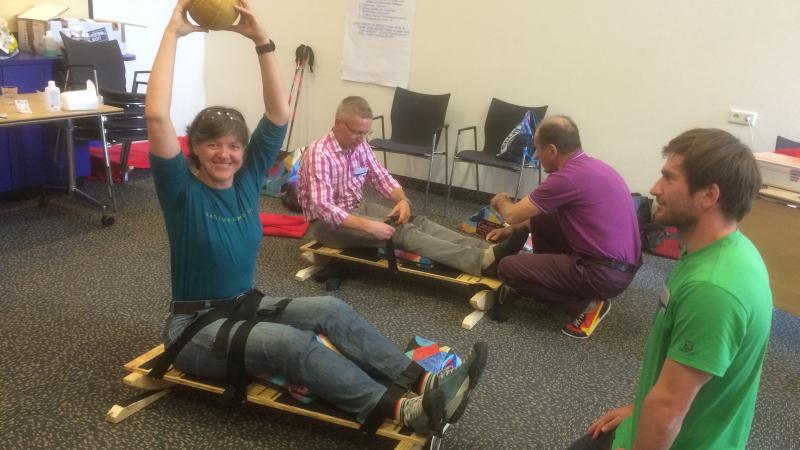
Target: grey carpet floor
[{"x": 78, "y": 300}]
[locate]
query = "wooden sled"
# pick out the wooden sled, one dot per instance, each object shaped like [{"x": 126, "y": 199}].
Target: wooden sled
[
  {"x": 484, "y": 288},
  {"x": 258, "y": 392}
]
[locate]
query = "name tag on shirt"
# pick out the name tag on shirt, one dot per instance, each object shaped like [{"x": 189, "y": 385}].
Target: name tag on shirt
[
  {"x": 359, "y": 171},
  {"x": 663, "y": 299}
]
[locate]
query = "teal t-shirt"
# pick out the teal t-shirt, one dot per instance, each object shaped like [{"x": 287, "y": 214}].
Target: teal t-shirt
[
  {"x": 214, "y": 234},
  {"x": 715, "y": 316}
]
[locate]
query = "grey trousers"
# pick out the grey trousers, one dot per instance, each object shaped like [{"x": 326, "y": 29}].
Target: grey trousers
[{"x": 420, "y": 235}]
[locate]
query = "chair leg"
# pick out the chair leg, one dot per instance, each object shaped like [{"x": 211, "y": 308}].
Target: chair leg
[
  {"x": 449, "y": 184},
  {"x": 477, "y": 181},
  {"x": 519, "y": 183},
  {"x": 385, "y": 166},
  {"x": 445, "y": 168},
  {"x": 123, "y": 160},
  {"x": 428, "y": 183}
]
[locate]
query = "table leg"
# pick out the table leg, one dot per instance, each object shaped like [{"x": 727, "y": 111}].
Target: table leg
[{"x": 107, "y": 163}]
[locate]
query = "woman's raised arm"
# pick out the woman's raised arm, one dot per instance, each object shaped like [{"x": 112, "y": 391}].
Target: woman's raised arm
[
  {"x": 160, "y": 130},
  {"x": 275, "y": 106}
]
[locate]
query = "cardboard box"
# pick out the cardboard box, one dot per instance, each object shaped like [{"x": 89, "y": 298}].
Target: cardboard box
[
  {"x": 781, "y": 171},
  {"x": 32, "y": 26}
]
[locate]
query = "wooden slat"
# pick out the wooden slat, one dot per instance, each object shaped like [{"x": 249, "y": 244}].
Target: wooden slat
[
  {"x": 118, "y": 413},
  {"x": 261, "y": 394},
  {"x": 147, "y": 356},
  {"x": 462, "y": 279}
]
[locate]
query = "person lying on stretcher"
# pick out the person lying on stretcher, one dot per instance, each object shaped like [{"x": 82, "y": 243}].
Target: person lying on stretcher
[
  {"x": 333, "y": 172},
  {"x": 219, "y": 325}
]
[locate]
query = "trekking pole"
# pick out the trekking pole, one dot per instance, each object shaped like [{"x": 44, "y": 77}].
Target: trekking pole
[
  {"x": 294, "y": 80},
  {"x": 303, "y": 55}
]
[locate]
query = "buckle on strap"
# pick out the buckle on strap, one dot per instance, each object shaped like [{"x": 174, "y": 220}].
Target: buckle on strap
[{"x": 191, "y": 306}]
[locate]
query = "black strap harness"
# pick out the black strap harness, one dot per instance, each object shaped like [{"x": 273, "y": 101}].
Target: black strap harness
[
  {"x": 405, "y": 382},
  {"x": 391, "y": 258},
  {"x": 245, "y": 308}
]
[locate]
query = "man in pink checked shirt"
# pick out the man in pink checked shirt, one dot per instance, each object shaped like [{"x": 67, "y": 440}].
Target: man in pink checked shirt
[{"x": 332, "y": 175}]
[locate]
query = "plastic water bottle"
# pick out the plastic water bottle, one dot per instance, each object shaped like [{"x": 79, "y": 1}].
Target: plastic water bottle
[{"x": 52, "y": 95}]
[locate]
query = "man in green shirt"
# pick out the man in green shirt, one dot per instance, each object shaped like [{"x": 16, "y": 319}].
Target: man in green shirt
[{"x": 702, "y": 363}]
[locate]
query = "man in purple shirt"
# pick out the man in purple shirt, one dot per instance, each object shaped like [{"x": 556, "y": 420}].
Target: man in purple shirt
[
  {"x": 584, "y": 231},
  {"x": 333, "y": 172}
]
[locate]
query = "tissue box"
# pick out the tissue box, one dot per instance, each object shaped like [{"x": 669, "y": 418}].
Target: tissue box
[{"x": 80, "y": 100}]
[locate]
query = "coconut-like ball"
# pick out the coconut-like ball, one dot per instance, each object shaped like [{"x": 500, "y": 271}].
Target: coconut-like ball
[{"x": 214, "y": 14}]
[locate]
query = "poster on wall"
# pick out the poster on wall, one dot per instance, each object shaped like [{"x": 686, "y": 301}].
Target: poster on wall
[{"x": 377, "y": 41}]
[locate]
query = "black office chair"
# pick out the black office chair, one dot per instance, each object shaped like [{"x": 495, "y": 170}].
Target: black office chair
[
  {"x": 102, "y": 62},
  {"x": 500, "y": 120},
  {"x": 417, "y": 127}
]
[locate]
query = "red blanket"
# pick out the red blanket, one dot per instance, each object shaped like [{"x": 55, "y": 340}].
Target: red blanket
[{"x": 283, "y": 225}]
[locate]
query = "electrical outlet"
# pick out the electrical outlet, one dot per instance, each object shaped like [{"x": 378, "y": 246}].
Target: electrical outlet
[{"x": 742, "y": 117}]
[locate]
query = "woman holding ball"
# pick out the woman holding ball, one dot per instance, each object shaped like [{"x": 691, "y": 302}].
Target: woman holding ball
[{"x": 220, "y": 326}]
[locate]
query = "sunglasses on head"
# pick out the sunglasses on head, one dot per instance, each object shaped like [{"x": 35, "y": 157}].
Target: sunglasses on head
[{"x": 219, "y": 113}]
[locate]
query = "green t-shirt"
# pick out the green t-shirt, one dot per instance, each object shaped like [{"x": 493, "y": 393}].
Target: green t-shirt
[
  {"x": 214, "y": 234},
  {"x": 715, "y": 315}
]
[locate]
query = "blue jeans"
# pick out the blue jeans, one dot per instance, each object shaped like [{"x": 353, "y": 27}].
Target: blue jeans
[{"x": 351, "y": 380}]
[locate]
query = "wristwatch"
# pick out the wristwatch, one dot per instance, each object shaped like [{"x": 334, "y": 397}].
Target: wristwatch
[{"x": 266, "y": 48}]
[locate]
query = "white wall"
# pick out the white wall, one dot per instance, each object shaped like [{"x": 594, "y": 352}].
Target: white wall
[
  {"x": 10, "y": 8},
  {"x": 632, "y": 74},
  {"x": 188, "y": 95}
]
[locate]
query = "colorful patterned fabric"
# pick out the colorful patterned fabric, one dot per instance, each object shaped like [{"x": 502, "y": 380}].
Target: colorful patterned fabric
[
  {"x": 482, "y": 222},
  {"x": 283, "y": 173},
  {"x": 421, "y": 261},
  {"x": 431, "y": 356}
]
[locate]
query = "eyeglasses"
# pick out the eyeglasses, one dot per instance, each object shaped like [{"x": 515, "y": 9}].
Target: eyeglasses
[
  {"x": 220, "y": 113},
  {"x": 357, "y": 132}
]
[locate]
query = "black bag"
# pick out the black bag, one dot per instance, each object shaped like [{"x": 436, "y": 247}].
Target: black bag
[
  {"x": 657, "y": 239},
  {"x": 644, "y": 211},
  {"x": 289, "y": 199}
]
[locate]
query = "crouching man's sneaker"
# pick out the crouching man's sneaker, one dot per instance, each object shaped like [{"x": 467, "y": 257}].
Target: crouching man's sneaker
[{"x": 584, "y": 325}]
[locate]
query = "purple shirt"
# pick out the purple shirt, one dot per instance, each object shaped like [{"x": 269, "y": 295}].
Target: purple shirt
[{"x": 595, "y": 208}]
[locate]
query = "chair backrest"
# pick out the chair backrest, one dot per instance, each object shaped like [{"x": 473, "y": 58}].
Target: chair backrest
[
  {"x": 502, "y": 118},
  {"x": 105, "y": 56},
  {"x": 782, "y": 142},
  {"x": 416, "y": 116}
]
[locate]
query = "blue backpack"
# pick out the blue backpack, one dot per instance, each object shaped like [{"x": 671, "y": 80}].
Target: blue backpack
[{"x": 518, "y": 142}]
